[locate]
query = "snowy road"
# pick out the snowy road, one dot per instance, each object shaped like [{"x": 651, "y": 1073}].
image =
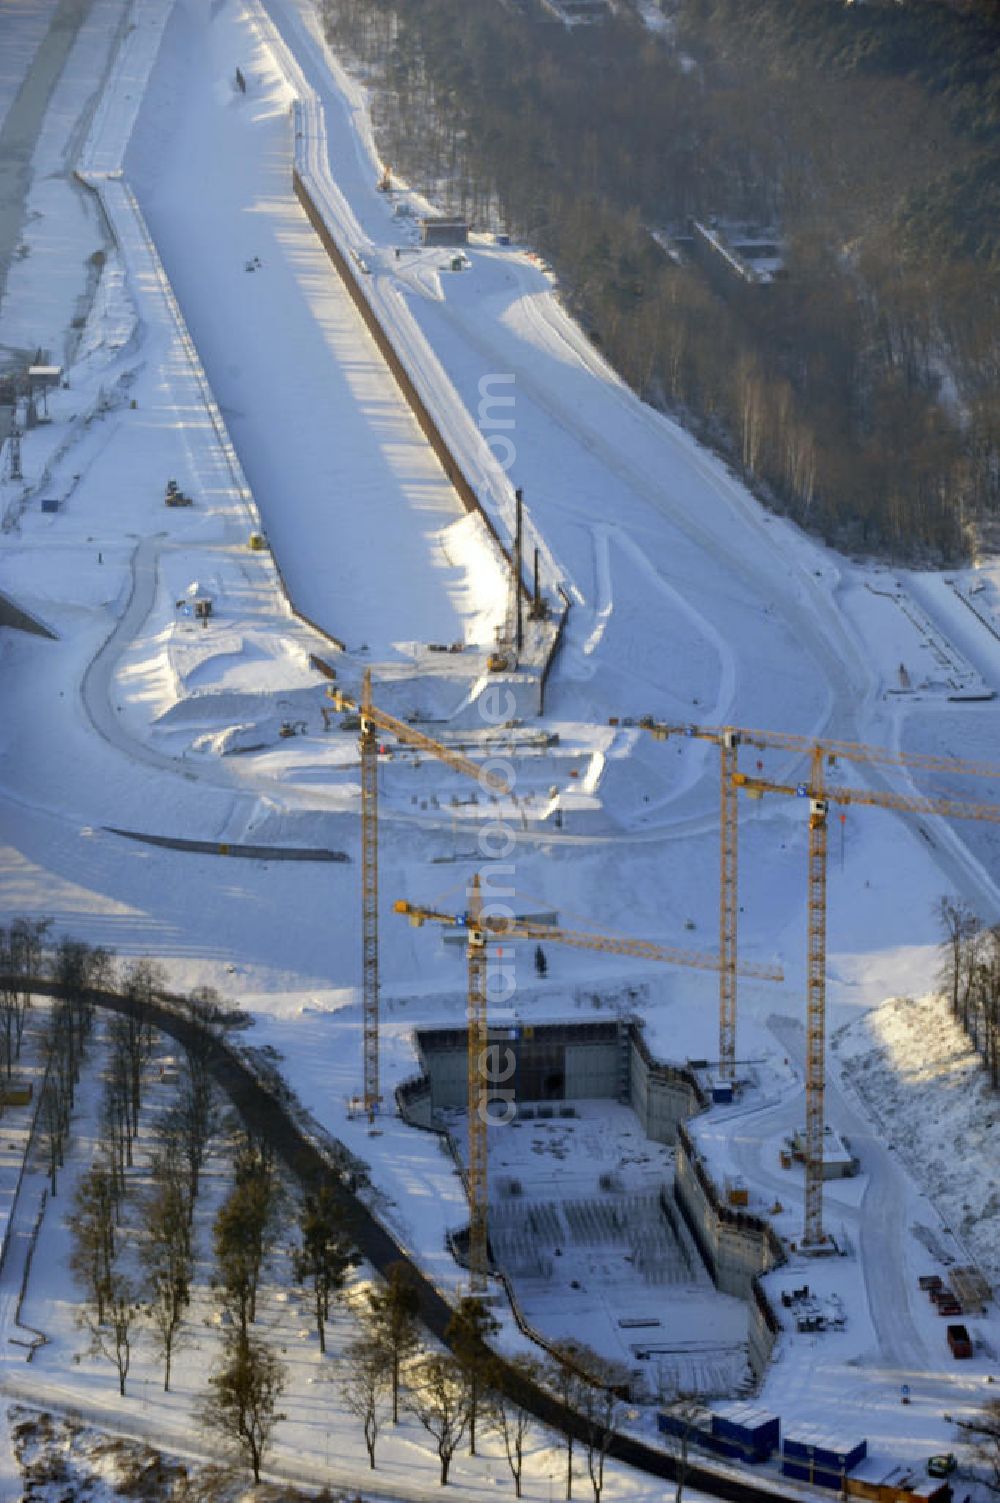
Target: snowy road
[{"x": 882, "y": 1225}]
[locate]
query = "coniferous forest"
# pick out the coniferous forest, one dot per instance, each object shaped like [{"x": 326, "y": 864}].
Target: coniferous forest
[{"x": 860, "y": 392}]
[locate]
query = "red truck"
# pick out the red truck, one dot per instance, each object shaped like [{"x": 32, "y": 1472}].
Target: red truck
[{"x": 960, "y": 1342}]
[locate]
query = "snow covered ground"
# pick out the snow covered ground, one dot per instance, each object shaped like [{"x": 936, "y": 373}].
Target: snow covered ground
[
  {"x": 912, "y": 1065},
  {"x": 689, "y": 602}
]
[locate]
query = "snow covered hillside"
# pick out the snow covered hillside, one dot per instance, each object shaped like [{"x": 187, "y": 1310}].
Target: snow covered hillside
[{"x": 916, "y": 1072}]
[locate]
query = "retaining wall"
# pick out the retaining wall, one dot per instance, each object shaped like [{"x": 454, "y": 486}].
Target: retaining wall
[
  {"x": 735, "y": 1246},
  {"x": 662, "y": 1096}
]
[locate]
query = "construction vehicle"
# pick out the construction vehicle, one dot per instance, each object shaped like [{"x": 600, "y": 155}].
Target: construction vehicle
[
  {"x": 257, "y": 542},
  {"x": 174, "y": 496},
  {"x": 501, "y": 660},
  {"x": 959, "y": 1342},
  {"x": 480, "y": 928}
]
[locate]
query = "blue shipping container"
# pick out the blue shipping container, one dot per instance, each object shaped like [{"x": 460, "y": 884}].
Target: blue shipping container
[
  {"x": 805, "y": 1472},
  {"x": 754, "y": 1432},
  {"x": 827, "y": 1451}
]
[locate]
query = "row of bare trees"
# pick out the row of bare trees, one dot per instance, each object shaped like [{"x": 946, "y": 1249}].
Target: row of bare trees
[
  {"x": 22, "y": 953},
  {"x": 134, "y": 1248},
  {"x": 454, "y": 1394},
  {"x": 139, "y": 1276},
  {"x": 971, "y": 979}
]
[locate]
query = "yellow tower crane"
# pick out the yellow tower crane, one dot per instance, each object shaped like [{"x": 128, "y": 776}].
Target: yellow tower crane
[
  {"x": 374, "y": 720},
  {"x": 480, "y": 928},
  {"x": 729, "y": 739},
  {"x": 820, "y": 795}
]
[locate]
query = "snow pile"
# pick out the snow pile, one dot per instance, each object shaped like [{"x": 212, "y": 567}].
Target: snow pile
[{"x": 919, "y": 1077}]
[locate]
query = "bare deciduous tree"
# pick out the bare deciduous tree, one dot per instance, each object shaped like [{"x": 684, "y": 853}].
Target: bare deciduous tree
[
  {"x": 166, "y": 1259},
  {"x": 114, "y": 1337},
  {"x": 92, "y": 1258},
  {"x": 509, "y": 1418},
  {"x": 466, "y": 1335},
  {"x": 242, "y": 1406},
  {"x": 392, "y": 1323},
  {"x": 565, "y": 1378},
  {"x": 243, "y": 1230},
  {"x": 439, "y": 1399},
  {"x": 324, "y": 1256},
  {"x": 365, "y": 1384},
  {"x": 599, "y": 1406},
  {"x": 984, "y": 1435},
  {"x": 684, "y": 1409}
]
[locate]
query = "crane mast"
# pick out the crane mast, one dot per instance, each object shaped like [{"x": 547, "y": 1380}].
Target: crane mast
[
  {"x": 369, "y": 903},
  {"x": 478, "y": 1093},
  {"x": 728, "y": 902},
  {"x": 373, "y": 720},
  {"x": 815, "y": 1007},
  {"x": 820, "y": 795}
]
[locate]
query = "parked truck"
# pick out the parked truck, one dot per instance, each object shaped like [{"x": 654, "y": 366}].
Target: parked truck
[{"x": 960, "y": 1342}]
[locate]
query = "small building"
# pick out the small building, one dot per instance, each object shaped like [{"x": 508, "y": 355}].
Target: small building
[
  {"x": 442, "y": 231},
  {"x": 50, "y": 503},
  {"x": 838, "y": 1160},
  {"x": 44, "y": 377},
  {"x": 202, "y": 607},
  {"x": 820, "y": 1459},
  {"x": 741, "y": 1432}
]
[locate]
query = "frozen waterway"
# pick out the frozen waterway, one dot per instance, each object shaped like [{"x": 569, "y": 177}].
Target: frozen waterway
[{"x": 357, "y": 508}]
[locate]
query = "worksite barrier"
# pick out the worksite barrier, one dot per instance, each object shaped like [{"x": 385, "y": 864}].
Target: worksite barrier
[{"x": 315, "y": 1163}]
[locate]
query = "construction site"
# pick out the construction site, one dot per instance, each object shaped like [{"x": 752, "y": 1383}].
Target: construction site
[{"x": 572, "y": 833}]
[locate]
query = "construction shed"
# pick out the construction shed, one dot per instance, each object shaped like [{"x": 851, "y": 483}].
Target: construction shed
[
  {"x": 744, "y": 1431},
  {"x": 821, "y": 1460},
  {"x": 897, "y": 1485},
  {"x": 442, "y": 231}
]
